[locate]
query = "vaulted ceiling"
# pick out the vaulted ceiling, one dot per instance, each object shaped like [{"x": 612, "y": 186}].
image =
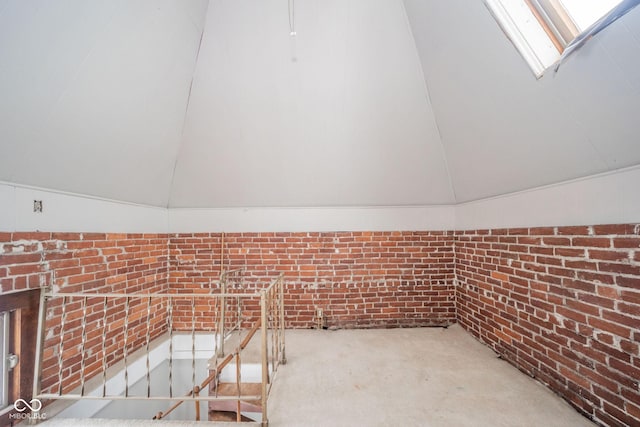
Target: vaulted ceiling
[{"x": 196, "y": 103}]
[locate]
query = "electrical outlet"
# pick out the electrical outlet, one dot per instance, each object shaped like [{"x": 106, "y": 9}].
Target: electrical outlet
[{"x": 37, "y": 206}]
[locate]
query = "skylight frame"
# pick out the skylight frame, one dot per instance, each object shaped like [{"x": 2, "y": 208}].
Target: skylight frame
[
  {"x": 523, "y": 29},
  {"x": 544, "y": 32},
  {"x": 555, "y": 20}
]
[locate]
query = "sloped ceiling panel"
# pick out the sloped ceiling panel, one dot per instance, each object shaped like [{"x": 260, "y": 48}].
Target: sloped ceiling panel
[
  {"x": 94, "y": 93},
  {"x": 505, "y": 131},
  {"x": 335, "y": 116}
]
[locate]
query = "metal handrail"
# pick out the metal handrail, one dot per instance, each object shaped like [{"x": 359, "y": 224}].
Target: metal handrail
[
  {"x": 214, "y": 375},
  {"x": 271, "y": 297},
  {"x": 271, "y": 322}
]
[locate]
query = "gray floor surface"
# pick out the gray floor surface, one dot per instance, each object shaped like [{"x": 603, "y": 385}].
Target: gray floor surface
[{"x": 396, "y": 377}]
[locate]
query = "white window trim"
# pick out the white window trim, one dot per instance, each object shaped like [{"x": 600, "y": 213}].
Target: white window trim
[
  {"x": 513, "y": 32},
  {"x": 616, "y": 13},
  {"x": 542, "y": 58}
]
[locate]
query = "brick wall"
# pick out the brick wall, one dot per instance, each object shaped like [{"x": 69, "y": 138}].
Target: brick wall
[
  {"x": 359, "y": 279},
  {"x": 74, "y": 262},
  {"x": 563, "y": 305}
]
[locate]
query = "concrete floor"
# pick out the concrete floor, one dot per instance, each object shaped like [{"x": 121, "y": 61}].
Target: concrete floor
[
  {"x": 407, "y": 377},
  {"x": 396, "y": 377}
]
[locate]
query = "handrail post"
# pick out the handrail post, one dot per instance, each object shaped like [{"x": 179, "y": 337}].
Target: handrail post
[
  {"x": 239, "y": 385},
  {"x": 283, "y": 358},
  {"x": 264, "y": 353},
  {"x": 39, "y": 348},
  {"x": 223, "y": 289},
  {"x": 196, "y": 393}
]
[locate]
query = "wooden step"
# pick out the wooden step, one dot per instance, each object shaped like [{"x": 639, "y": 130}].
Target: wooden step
[
  {"x": 227, "y": 416},
  {"x": 231, "y": 389}
]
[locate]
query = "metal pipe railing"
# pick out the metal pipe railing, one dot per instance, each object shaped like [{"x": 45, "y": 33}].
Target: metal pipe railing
[
  {"x": 133, "y": 319},
  {"x": 217, "y": 371}
]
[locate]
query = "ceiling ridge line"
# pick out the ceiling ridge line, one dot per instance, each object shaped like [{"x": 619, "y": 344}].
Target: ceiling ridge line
[
  {"x": 423, "y": 78},
  {"x": 186, "y": 108}
]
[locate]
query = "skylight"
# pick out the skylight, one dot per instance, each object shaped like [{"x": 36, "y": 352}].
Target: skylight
[
  {"x": 586, "y": 13},
  {"x": 543, "y": 29}
]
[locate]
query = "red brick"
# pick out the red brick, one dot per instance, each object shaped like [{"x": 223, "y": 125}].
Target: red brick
[
  {"x": 581, "y": 265},
  {"x": 595, "y": 242},
  {"x": 571, "y": 314},
  {"x": 82, "y": 244},
  {"x": 613, "y": 409},
  {"x": 606, "y": 279},
  {"x": 525, "y": 240},
  {"x": 548, "y": 260},
  {"x": 634, "y": 412},
  {"x": 499, "y": 276},
  {"x": 608, "y": 255},
  {"x": 580, "y": 285},
  {"x": 621, "y": 379},
  {"x": 608, "y": 326},
  {"x": 22, "y": 269},
  {"x": 631, "y": 297},
  {"x": 626, "y": 242},
  {"x": 631, "y": 309},
  {"x": 564, "y": 272},
  {"x": 557, "y": 241},
  {"x": 65, "y": 236},
  {"x": 608, "y": 291},
  {"x": 619, "y": 268},
  {"x": 631, "y": 395},
  {"x": 116, "y": 236},
  {"x": 608, "y": 396},
  {"x": 573, "y": 230},
  {"x": 36, "y": 235},
  {"x": 569, "y": 252},
  {"x": 614, "y": 229},
  {"x": 620, "y": 319},
  {"x": 583, "y": 308},
  {"x": 19, "y": 258},
  {"x": 575, "y": 377},
  {"x": 629, "y": 282},
  {"x": 542, "y": 231},
  {"x": 629, "y": 347}
]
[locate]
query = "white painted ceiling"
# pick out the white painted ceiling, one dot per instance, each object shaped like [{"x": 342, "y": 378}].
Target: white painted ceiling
[
  {"x": 505, "y": 131},
  {"x": 93, "y": 93},
  {"x": 196, "y": 103}
]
